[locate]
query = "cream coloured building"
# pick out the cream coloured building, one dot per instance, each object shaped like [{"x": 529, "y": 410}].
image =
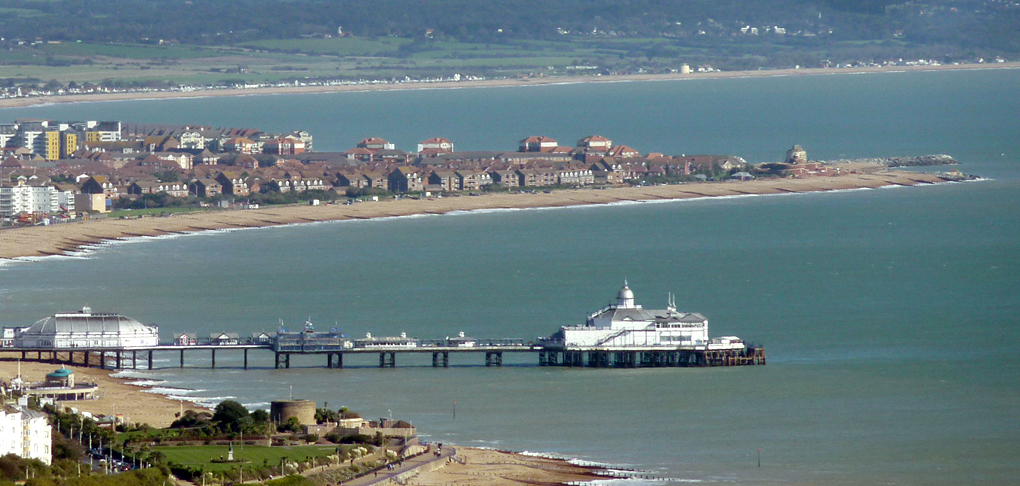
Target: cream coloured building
[
  {"x": 25, "y": 433},
  {"x": 85, "y": 329}
]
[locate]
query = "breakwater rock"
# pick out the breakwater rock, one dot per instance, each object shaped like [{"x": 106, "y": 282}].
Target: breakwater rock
[{"x": 918, "y": 161}]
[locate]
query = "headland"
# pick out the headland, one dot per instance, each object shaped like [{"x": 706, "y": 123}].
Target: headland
[{"x": 67, "y": 239}]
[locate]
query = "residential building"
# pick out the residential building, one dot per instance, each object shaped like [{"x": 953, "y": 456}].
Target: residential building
[
  {"x": 375, "y": 143},
  {"x": 84, "y": 202},
  {"x": 25, "y": 433},
  {"x": 175, "y": 189},
  {"x": 447, "y": 180},
  {"x": 68, "y": 144},
  {"x": 107, "y": 131},
  {"x": 233, "y": 184},
  {"x": 596, "y": 143},
  {"x": 436, "y": 144},
  {"x": 538, "y": 144},
  {"x": 406, "y": 179},
  {"x": 241, "y": 145},
  {"x": 99, "y": 185},
  {"x": 283, "y": 146},
  {"x": 47, "y": 145},
  {"x": 191, "y": 140},
  {"x": 20, "y": 197},
  {"x": 622, "y": 151},
  {"x": 505, "y": 178},
  {"x": 205, "y": 188},
  {"x": 8, "y": 134},
  {"x": 473, "y": 179}
]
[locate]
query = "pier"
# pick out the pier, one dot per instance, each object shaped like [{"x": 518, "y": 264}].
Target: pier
[
  {"x": 621, "y": 335},
  {"x": 492, "y": 350}
]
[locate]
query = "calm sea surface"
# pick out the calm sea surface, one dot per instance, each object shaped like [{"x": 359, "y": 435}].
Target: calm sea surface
[{"x": 889, "y": 316}]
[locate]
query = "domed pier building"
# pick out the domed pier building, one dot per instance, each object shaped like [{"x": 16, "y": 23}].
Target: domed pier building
[
  {"x": 626, "y": 335},
  {"x": 85, "y": 329},
  {"x": 627, "y": 325}
]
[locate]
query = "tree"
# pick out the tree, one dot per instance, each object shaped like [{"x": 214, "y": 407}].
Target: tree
[{"x": 230, "y": 416}]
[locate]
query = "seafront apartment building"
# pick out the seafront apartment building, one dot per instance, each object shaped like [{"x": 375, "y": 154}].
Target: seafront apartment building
[
  {"x": 25, "y": 433},
  {"x": 21, "y": 196},
  {"x": 54, "y": 140}
]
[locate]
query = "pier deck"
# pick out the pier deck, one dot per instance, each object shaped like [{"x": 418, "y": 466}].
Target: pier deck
[{"x": 626, "y": 357}]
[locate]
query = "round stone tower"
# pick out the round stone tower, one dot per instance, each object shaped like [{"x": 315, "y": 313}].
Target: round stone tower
[{"x": 282, "y": 410}]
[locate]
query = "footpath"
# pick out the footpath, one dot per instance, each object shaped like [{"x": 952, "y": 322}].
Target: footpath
[{"x": 427, "y": 461}]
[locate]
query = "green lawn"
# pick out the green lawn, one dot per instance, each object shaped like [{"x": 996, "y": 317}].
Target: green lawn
[{"x": 257, "y": 456}]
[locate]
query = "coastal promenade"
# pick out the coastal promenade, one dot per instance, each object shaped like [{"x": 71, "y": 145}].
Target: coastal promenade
[{"x": 70, "y": 238}]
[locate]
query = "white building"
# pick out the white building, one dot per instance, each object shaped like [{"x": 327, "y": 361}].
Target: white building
[
  {"x": 436, "y": 143},
  {"x": 401, "y": 341},
  {"x": 87, "y": 330},
  {"x": 25, "y": 433},
  {"x": 21, "y": 197},
  {"x": 627, "y": 325}
]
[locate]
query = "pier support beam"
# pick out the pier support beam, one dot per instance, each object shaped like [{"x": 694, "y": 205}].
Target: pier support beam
[
  {"x": 134, "y": 359},
  {"x": 441, "y": 359},
  {"x": 245, "y": 358},
  {"x": 286, "y": 359},
  {"x": 87, "y": 356},
  {"x": 573, "y": 358},
  {"x": 102, "y": 360},
  {"x": 213, "y": 359},
  {"x": 387, "y": 359},
  {"x": 182, "y": 358},
  {"x": 118, "y": 359},
  {"x": 150, "y": 358},
  {"x": 277, "y": 361},
  {"x": 494, "y": 358}
]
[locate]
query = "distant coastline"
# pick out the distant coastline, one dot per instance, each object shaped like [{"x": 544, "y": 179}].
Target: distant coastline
[
  {"x": 491, "y": 83},
  {"x": 69, "y": 238}
]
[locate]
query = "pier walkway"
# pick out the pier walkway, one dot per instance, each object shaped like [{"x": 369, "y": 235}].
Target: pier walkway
[{"x": 629, "y": 357}]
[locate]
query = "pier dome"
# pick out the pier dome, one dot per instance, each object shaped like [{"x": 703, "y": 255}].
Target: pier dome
[
  {"x": 625, "y": 298},
  {"x": 86, "y": 329}
]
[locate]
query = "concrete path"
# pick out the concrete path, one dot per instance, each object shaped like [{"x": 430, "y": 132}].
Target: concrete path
[{"x": 408, "y": 464}]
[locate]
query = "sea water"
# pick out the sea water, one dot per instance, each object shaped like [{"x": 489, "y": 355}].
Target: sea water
[{"x": 889, "y": 315}]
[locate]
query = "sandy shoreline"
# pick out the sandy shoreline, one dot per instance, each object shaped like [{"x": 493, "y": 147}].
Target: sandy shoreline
[
  {"x": 487, "y": 467},
  {"x": 115, "y": 395},
  {"x": 64, "y": 239},
  {"x": 85, "y": 98}
]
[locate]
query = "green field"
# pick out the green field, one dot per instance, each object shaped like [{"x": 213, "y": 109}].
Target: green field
[
  {"x": 257, "y": 456},
  {"x": 286, "y": 60}
]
